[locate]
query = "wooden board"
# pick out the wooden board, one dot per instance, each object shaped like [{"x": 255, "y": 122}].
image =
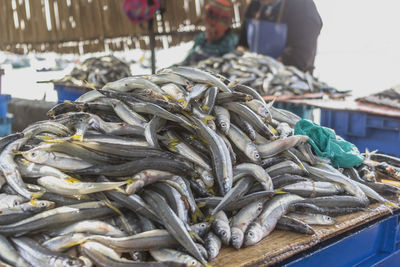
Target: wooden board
[{"x": 281, "y": 245}]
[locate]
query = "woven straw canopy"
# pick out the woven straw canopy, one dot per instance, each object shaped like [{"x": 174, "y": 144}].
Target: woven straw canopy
[{"x": 82, "y": 26}]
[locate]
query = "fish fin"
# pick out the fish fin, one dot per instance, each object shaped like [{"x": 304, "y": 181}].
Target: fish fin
[
  {"x": 208, "y": 118},
  {"x": 37, "y": 194},
  {"x": 131, "y": 180},
  {"x": 77, "y": 137},
  {"x": 111, "y": 206},
  {"x": 194, "y": 235},
  {"x": 248, "y": 98},
  {"x": 201, "y": 204},
  {"x": 172, "y": 144},
  {"x": 120, "y": 190},
  {"x": 280, "y": 191},
  {"x": 269, "y": 105},
  {"x": 186, "y": 113},
  {"x": 205, "y": 107},
  {"x": 272, "y": 129},
  {"x": 183, "y": 101},
  {"x": 301, "y": 166},
  {"x": 46, "y": 137},
  {"x": 33, "y": 202},
  {"x": 15, "y": 153},
  {"x": 209, "y": 219},
  {"x": 67, "y": 101},
  {"x": 89, "y": 85},
  {"x": 71, "y": 180},
  {"x": 390, "y": 205},
  {"x": 232, "y": 83},
  {"x": 197, "y": 215},
  {"x": 212, "y": 191},
  {"x": 75, "y": 243}
]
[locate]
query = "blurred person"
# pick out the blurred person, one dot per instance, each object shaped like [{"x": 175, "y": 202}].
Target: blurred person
[
  {"x": 283, "y": 29},
  {"x": 218, "y": 38}
]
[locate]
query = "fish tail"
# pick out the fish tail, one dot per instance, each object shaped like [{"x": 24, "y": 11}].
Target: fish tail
[{"x": 280, "y": 191}]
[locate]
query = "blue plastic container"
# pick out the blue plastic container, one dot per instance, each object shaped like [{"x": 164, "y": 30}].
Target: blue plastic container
[
  {"x": 302, "y": 111},
  {"x": 378, "y": 244},
  {"x": 365, "y": 130},
  {"x": 69, "y": 92},
  {"x": 4, "y": 99},
  {"x": 6, "y": 125}
]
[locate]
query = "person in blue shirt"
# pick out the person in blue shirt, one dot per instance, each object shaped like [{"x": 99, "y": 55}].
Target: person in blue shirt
[{"x": 218, "y": 38}]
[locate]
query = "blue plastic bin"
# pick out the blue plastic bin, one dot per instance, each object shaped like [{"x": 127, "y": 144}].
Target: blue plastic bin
[
  {"x": 302, "y": 111},
  {"x": 4, "y": 99},
  {"x": 6, "y": 125},
  {"x": 365, "y": 130},
  {"x": 378, "y": 244},
  {"x": 69, "y": 92}
]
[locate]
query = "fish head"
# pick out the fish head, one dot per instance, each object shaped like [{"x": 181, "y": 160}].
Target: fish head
[
  {"x": 253, "y": 235},
  {"x": 43, "y": 204},
  {"x": 202, "y": 228},
  {"x": 35, "y": 155},
  {"x": 190, "y": 261},
  {"x": 327, "y": 220},
  {"x": 207, "y": 178},
  {"x": 66, "y": 262},
  {"x": 237, "y": 237},
  {"x": 252, "y": 152},
  {"x": 224, "y": 126},
  {"x": 223, "y": 230}
]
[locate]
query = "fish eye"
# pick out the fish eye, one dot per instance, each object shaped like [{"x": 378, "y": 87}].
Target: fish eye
[
  {"x": 257, "y": 156},
  {"x": 33, "y": 154},
  {"x": 250, "y": 234}
]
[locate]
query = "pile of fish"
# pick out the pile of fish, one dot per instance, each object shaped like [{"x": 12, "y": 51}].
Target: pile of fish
[
  {"x": 267, "y": 75},
  {"x": 97, "y": 71},
  {"x": 164, "y": 170},
  {"x": 389, "y": 97}
]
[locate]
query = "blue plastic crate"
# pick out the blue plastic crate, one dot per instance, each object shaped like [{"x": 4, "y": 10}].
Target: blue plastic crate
[
  {"x": 4, "y": 99},
  {"x": 365, "y": 130},
  {"x": 302, "y": 111},
  {"x": 6, "y": 125},
  {"x": 69, "y": 92},
  {"x": 378, "y": 244}
]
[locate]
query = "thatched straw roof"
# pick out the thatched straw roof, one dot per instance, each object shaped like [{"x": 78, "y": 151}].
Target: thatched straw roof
[{"x": 81, "y": 26}]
